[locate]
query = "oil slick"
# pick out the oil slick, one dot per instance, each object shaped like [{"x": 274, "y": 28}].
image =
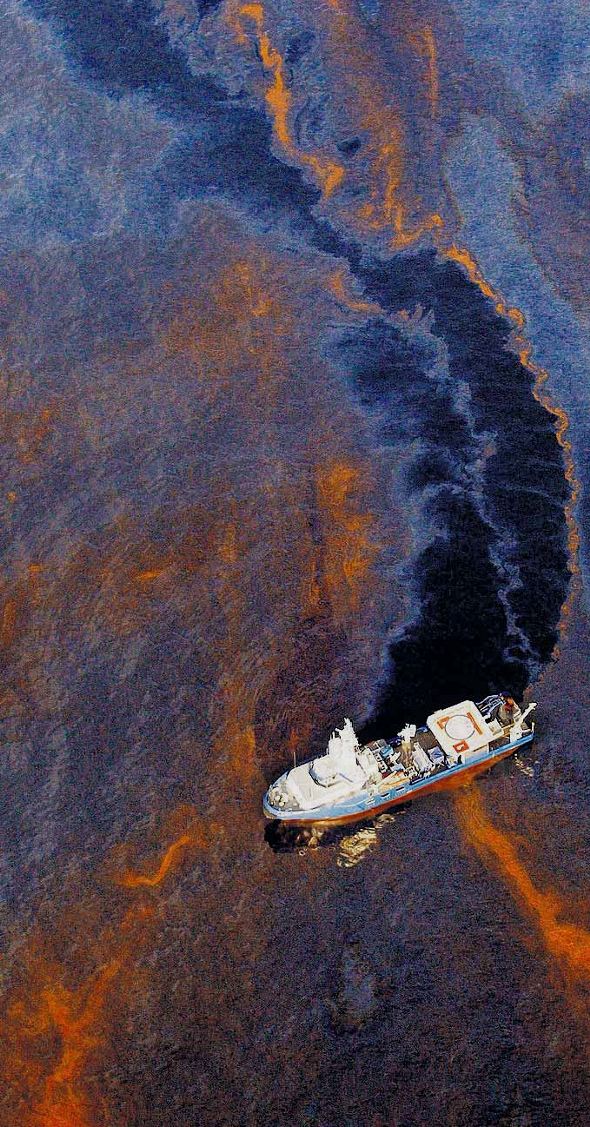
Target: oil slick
[
  {"x": 213, "y": 541},
  {"x": 328, "y": 174},
  {"x": 56, "y": 1035},
  {"x": 567, "y": 943},
  {"x": 523, "y": 348}
]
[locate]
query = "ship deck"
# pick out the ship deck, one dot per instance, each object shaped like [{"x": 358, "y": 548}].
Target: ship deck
[{"x": 367, "y": 803}]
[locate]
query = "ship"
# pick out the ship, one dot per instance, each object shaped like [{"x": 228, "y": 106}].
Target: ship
[{"x": 352, "y": 781}]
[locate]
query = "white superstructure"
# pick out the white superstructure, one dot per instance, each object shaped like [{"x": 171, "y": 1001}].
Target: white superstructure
[
  {"x": 460, "y": 729},
  {"x": 350, "y": 780}
]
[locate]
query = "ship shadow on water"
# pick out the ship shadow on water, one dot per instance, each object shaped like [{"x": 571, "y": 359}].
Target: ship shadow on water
[{"x": 283, "y": 837}]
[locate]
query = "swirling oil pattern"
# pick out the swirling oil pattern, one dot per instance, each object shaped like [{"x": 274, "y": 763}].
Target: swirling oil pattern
[{"x": 295, "y": 386}]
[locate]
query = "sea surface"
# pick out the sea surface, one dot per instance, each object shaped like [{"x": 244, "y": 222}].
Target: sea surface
[{"x": 294, "y": 355}]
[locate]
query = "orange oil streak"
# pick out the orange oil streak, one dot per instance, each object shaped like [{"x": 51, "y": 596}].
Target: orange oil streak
[
  {"x": 197, "y": 833},
  {"x": 62, "y": 1103},
  {"x": 311, "y": 594},
  {"x": 30, "y": 432},
  {"x": 337, "y": 283},
  {"x": 51, "y": 1032},
  {"x": 425, "y": 43},
  {"x": 25, "y": 592},
  {"x": 8, "y": 623},
  {"x": 385, "y": 209},
  {"x": 76, "y": 1019},
  {"x": 349, "y": 547},
  {"x": 137, "y": 880},
  {"x": 150, "y": 575},
  {"x": 239, "y": 315},
  {"x": 279, "y": 100},
  {"x": 433, "y": 83},
  {"x": 236, "y": 316},
  {"x": 382, "y": 124},
  {"x": 567, "y": 943},
  {"x": 236, "y": 739},
  {"x": 523, "y": 349}
]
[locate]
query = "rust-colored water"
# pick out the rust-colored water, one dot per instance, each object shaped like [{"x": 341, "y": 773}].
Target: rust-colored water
[{"x": 223, "y": 466}]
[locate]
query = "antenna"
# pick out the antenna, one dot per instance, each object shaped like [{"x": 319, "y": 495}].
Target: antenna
[{"x": 293, "y": 745}]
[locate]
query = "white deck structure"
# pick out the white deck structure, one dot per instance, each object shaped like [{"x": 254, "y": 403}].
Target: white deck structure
[
  {"x": 351, "y": 781},
  {"x": 460, "y": 729}
]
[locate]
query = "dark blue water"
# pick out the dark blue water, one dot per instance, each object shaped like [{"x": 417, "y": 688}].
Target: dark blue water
[{"x": 163, "y": 448}]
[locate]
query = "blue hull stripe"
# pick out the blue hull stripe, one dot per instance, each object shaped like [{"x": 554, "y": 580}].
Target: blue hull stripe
[{"x": 365, "y": 804}]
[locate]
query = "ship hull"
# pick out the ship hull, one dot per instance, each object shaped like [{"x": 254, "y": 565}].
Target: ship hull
[{"x": 362, "y": 806}]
